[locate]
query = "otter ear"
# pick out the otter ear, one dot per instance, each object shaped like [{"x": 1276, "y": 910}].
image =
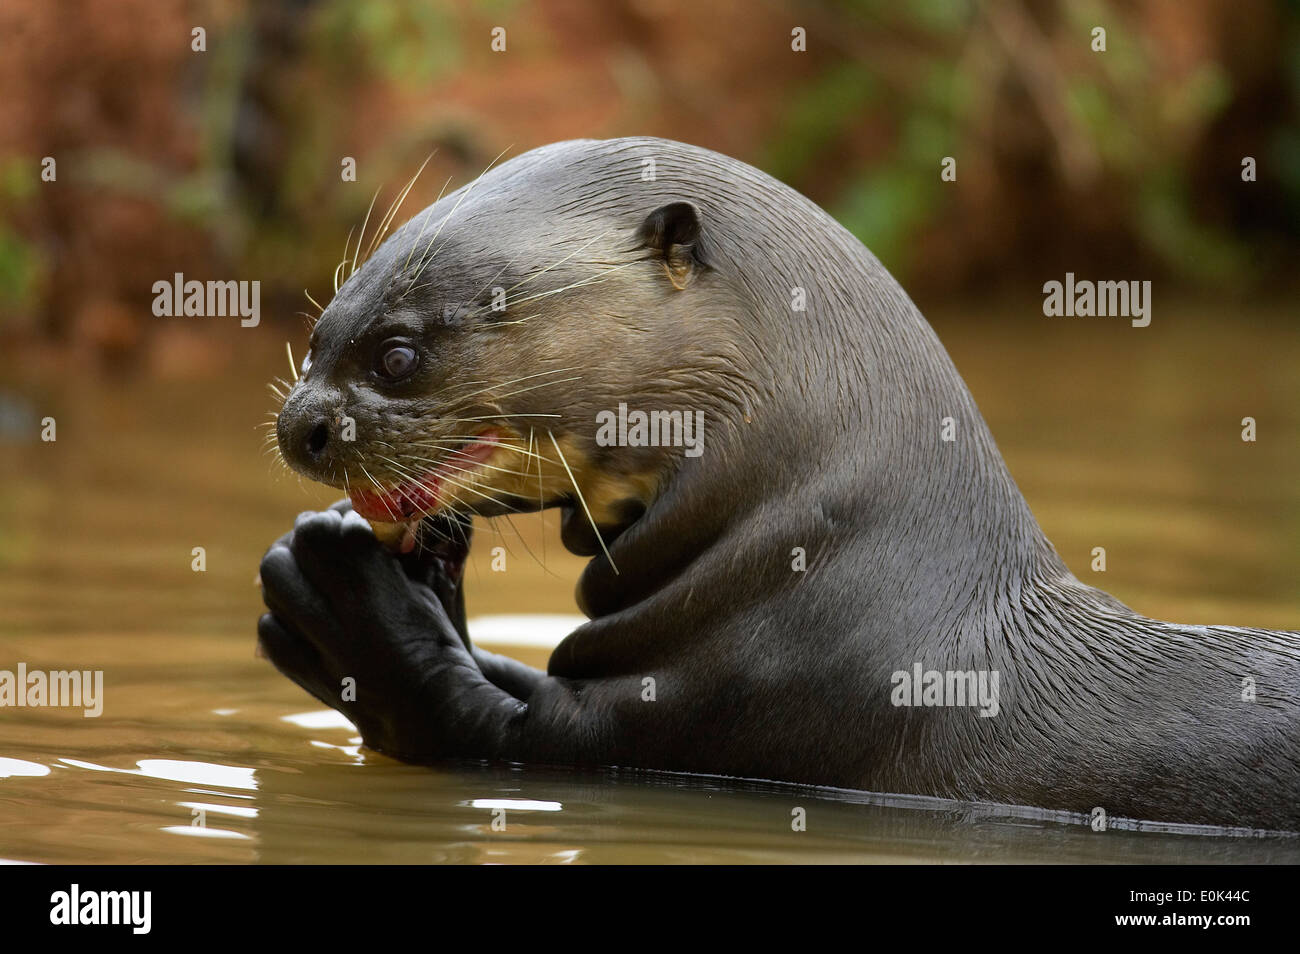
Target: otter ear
[{"x": 673, "y": 230}]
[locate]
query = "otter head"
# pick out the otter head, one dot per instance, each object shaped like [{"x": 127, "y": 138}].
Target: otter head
[{"x": 467, "y": 364}]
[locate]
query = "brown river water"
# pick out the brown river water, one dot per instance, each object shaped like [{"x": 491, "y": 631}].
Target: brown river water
[{"x": 1119, "y": 437}]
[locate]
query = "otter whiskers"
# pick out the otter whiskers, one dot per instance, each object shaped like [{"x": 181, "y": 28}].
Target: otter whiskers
[
  {"x": 425, "y": 258},
  {"x": 424, "y": 223},
  {"x": 505, "y": 384},
  {"x": 603, "y": 276},
  {"x": 583, "y": 500},
  {"x": 382, "y": 229},
  {"x": 361, "y": 237},
  {"x": 339, "y": 267}
]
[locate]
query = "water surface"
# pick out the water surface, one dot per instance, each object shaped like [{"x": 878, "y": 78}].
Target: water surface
[{"x": 1123, "y": 438}]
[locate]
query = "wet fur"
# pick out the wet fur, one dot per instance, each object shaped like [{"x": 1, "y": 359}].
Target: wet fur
[{"x": 823, "y": 432}]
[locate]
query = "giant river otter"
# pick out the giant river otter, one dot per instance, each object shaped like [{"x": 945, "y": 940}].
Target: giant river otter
[{"x": 794, "y": 576}]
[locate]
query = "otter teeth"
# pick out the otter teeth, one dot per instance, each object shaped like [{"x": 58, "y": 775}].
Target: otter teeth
[{"x": 398, "y": 536}]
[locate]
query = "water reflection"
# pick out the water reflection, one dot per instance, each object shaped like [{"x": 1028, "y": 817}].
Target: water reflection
[
  {"x": 515, "y": 804},
  {"x": 10, "y": 767},
  {"x": 202, "y": 831},
  {"x": 1120, "y": 451}
]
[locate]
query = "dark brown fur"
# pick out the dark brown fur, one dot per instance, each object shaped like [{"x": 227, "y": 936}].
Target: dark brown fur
[{"x": 823, "y": 433}]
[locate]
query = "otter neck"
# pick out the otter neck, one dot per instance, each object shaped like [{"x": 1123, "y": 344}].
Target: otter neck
[
  {"x": 855, "y": 455},
  {"x": 851, "y": 429}
]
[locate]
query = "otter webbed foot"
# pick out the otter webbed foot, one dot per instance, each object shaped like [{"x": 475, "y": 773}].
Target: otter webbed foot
[{"x": 350, "y": 624}]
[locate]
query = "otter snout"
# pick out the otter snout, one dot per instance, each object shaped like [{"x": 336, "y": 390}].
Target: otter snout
[{"x": 308, "y": 430}]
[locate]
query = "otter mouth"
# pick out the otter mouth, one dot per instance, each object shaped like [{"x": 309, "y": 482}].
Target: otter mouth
[{"x": 412, "y": 499}]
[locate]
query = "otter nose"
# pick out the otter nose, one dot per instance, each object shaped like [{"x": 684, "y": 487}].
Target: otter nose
[
  {"x": 305, "y": 440},
  {"x": 318, "y": 439},
  {"x": 306, "y": 432}
]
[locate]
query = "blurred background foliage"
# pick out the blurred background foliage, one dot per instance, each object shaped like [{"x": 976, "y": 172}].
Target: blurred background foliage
[{"x": 226, "y": 163}]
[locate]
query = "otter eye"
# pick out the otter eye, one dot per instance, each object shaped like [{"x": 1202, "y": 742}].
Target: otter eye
[{"x": 397, "y": 358}]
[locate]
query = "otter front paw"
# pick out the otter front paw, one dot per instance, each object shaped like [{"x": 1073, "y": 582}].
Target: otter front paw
[{"x": 349, "y": 625}]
